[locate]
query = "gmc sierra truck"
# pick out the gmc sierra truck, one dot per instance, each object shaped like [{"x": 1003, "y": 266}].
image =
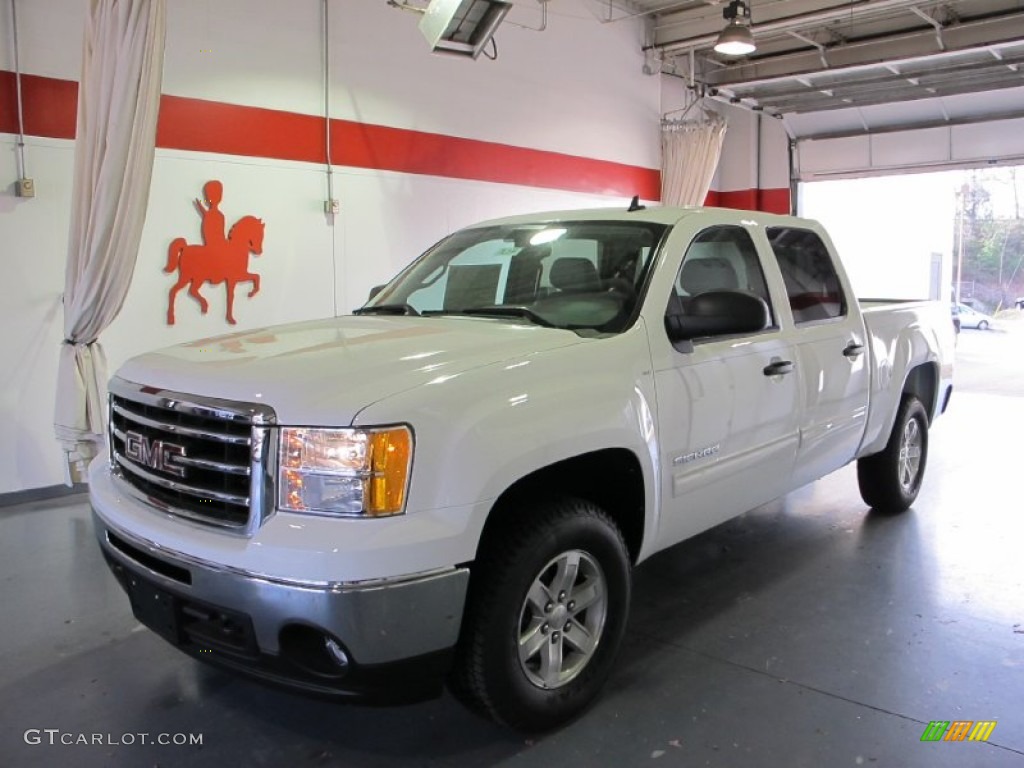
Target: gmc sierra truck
[{"x": 452, "y": 485}]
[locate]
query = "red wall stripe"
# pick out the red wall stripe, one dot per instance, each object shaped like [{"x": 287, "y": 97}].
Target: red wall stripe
[
  {"x": 49, "y": 106},
  {"x": 229, "y": 129},
  {"x": 775, "y": 200},
  {"x": 363, "y": 145},
  {"x": 206, "y": 126},
  {"x": 767, "y": 200}
]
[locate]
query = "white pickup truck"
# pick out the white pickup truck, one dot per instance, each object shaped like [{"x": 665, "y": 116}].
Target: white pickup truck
[{"x": 453, "y": 484}]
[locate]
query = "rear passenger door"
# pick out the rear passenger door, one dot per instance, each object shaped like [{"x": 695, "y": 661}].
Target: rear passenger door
[
  {"x": 727, "y": 405},
  {"x": 831, "y": 353}
]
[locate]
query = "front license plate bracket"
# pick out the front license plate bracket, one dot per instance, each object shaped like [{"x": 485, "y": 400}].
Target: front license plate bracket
[{"x": 155, "y": 608}]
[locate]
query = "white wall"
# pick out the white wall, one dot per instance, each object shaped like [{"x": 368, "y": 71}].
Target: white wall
[
  {"x": 755, "y": 155},
  {"x": 576, "y": 88}
]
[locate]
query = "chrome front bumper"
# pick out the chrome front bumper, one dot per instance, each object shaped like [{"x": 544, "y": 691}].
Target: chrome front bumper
[{"x": 380, "y": 625}]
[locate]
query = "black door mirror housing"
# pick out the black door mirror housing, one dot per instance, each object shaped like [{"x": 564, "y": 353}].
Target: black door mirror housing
[{"x": 718, "y": 313}]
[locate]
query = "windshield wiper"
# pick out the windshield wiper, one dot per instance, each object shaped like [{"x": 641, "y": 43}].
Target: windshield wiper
[
  {"x": 509, "y": 311},
  {"x": 387, "y": 309}
]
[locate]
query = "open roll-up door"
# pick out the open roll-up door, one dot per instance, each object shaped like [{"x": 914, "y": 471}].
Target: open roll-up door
[{"x": 965, "y": 131}]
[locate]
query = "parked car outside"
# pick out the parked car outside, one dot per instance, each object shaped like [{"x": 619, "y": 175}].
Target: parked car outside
[{"x": 972, "y": 318}]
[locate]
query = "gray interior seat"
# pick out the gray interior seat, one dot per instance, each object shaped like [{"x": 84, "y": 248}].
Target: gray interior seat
[
  {"x": 712, "y": 273},
  {"x": 574, "y": 274}
]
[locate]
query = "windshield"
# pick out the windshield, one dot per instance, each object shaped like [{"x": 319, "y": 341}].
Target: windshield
[{"x": 584, "y": 276}]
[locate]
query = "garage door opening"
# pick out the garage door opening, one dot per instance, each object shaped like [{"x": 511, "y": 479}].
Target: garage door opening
[
  {"x": 891, "y": 231},
  {"x": 894, "y": 230},
  {"x": 955, "y": 235}
]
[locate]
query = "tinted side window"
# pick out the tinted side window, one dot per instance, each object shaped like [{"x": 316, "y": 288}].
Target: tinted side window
[
  {"x": 720, "y": 259},
  {"x": 811, "y": 280}
]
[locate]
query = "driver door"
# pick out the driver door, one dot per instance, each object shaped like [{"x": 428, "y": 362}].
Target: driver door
[{"x": 727, "y": 405}]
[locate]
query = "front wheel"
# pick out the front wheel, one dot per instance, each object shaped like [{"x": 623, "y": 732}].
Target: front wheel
[
  {"x": 547, "y": 610},
  {"x": 983, "y": 325},
  {"x": 890, "y": 481}
]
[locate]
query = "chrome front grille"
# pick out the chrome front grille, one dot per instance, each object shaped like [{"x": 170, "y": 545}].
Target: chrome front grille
[{"x": 200, "y": 458}]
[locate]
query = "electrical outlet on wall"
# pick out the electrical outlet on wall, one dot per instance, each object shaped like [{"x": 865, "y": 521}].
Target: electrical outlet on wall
[{"x": 26, "y": 188}]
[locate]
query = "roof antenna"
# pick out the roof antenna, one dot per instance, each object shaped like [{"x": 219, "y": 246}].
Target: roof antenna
[{"x": 634, "y": 205}]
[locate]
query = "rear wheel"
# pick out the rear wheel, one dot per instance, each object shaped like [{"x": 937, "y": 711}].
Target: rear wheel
[
  {"x": 890, "y": 481},
  {"x": 547, "y": 611}
]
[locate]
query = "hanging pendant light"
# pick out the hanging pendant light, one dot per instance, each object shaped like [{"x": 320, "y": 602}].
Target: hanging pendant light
[{"x": 736, "y": 39}]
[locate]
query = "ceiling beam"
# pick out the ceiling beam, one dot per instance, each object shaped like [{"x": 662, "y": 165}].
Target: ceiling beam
[
  {"x": 639, "y": 12},
  {"x": 852, "y": 11},
  {"x": 986, "y": 34}
]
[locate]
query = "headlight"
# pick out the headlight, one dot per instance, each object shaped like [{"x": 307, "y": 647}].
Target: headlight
[{"x": 345, "y": 472}]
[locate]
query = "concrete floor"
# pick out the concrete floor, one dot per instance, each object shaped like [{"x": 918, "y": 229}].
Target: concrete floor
[{"x": 806, "y": 633}]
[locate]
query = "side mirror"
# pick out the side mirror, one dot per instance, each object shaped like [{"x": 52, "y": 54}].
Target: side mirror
[
  {"x": 719, "y": 313},
  {"x": 374, "y": 291}
]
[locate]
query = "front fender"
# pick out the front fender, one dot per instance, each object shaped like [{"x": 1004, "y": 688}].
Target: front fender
[{"x": 478, "y": 432}]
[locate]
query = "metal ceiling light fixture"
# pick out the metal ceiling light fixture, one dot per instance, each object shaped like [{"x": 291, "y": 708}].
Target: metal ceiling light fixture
[{"x": 736, "y": 39}]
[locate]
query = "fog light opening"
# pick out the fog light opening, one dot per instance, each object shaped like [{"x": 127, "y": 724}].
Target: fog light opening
[{"x": 314, "y": 651}]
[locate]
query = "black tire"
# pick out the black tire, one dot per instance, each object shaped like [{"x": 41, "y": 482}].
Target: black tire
[
  {"x": 983, "y": 325},
  {"x": 890, "y": 481},
  {"x": 529, "y": 561}
]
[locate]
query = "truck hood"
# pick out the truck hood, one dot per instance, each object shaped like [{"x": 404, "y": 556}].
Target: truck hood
[{"x": 324, "y": 372}]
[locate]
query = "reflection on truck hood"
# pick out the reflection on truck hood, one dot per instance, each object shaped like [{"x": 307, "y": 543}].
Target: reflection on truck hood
[{"x": 325, "y": 371}]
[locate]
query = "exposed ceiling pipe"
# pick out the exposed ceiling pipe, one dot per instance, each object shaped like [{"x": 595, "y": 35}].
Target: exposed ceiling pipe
[
  {"x": 405, "y": 6},
  {"x": 933, "y": 59},
  {"x": 22, "y": 173},
  {"x": 652, "y": 11},
  {"x": 800, "y": 21},
  {"x": 725, "y": 96},
  {"x": 329, "y": 208},
  {"x": 686, "y": 17},
  {"x": 934, "y": 22},
  {"x": 330, "y": 204},
  {"x": 809, "y": 41},
  {"x": 630, "y": 12},
  {"x": 543, "y": 19}
]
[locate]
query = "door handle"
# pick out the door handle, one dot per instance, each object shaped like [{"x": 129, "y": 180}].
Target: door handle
[
  {"x": 778, "y": 368},
  {"x": 853, "y": 349}
]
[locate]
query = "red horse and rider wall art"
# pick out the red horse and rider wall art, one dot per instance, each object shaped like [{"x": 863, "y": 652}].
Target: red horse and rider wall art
[{"x": 219, "y": 259}]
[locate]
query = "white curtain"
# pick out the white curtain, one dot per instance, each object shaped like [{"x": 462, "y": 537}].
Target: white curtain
[
  {"x": 118, "y": 103},
  {"x": 689, "y": 155}
]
